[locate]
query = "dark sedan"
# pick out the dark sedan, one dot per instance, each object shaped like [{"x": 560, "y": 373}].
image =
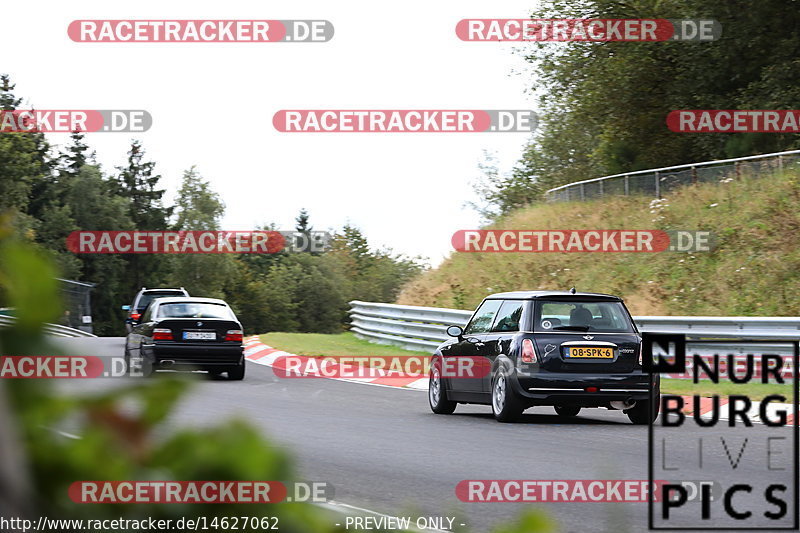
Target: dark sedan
[{"x": 186, "y": 333}]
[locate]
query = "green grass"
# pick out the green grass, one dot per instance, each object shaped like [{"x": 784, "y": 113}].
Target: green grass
[
  {"x": 348, "y": 345},
  {"x": 753, "y": 271},
  {"x": 754, "y": 390},
  {"x": 332, "y": 345}
]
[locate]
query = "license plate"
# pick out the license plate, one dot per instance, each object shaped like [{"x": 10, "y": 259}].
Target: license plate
[
  {"x": 590, "y": 352},
  {"x": 199, "y": 335}
]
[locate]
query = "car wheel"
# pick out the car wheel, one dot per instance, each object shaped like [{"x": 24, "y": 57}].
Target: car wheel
[
  {"x": 236, "y": 373},
  {"x": 643, "y": 412},
  {"x": 567, "y": 411},
  {"x": 437, "y": 392},
  {"x": 506, "y": 406}
]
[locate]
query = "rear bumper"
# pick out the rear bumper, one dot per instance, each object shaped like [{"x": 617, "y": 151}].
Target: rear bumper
[
  {"x": 176, "y": 354},
  {"x": 562, "y": 388}
]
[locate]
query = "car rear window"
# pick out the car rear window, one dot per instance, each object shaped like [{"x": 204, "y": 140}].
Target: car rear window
[
  {"x": 577, "y": 316},
  {"x": 146, "y": 298},
  {"x": 194, "y": 310}
]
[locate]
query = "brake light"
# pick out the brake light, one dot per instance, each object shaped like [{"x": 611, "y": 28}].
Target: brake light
[
  {"x": 529, "y": 352},
  {"x": 234, "y": 335},
  {"x": 136, "y": 316},
  {"x": 162, "y": 334}
]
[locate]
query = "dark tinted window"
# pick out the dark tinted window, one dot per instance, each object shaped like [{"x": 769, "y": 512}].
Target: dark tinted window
[
  {"x": 194, "y": 310},
  {"x": 509, "y": 316},
  {"x": 147, "y": 298},
  {"x": 602, "y": 317},
  {"x": 484, "y": 317}
]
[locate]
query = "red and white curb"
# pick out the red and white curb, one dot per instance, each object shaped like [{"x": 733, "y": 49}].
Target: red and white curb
[{"x": 259, "y": 353}]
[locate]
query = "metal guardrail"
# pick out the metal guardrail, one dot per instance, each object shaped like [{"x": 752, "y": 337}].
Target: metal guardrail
[
  {"x": 655, "y": 182},
  {"x": 423, "y": 328},
  {"x": 54, "y": 330}
]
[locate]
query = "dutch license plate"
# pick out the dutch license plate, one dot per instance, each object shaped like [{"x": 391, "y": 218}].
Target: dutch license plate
[
  {"x": 199, "y": 335},
  {"x": 590, "y": 352}
]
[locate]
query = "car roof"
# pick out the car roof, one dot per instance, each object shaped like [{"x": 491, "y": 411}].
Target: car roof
[
  {"x": 190, "y": 299},
  {"x": 170, "y": 289},
  {"x": 536, "y": 295}
]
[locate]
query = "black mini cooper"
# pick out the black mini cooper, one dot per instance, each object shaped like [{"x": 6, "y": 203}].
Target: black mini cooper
[{"x": 565, "y": 349}]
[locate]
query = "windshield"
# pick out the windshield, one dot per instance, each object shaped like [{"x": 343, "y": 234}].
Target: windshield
[
  {"x": 194, "y": 310},
  {"x": 601, "y": 317}
]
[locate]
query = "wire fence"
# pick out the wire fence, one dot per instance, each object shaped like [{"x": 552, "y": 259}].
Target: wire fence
[{"x": 660, "y": 181}]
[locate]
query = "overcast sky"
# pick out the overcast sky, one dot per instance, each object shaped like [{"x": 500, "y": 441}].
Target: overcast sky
[{"x": 212, "y": 106}]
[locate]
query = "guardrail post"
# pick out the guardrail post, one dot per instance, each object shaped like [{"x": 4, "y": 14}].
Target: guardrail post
[
  {"x": 582, "y": 193},
  {"x": 601, "y": 188},
  {"x": 780, "y": 163},
  {"x": 694, "y": 174},
  {"x": 627, "y": 186},
  {"x": 738, "y": 169},
  {"x": 658, "y": 184}
]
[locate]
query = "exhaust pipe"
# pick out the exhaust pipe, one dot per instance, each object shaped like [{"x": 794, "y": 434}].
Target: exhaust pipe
[
  {"x": 622, "y": 406},
  {"x": 167, "y": 362}
]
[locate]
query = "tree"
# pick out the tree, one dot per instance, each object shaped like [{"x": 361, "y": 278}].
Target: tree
[
  {"x": 97, "y": 206},
  {"x": 138, "y": 183},
  {"x": 24, "y": 164},
  {"x": 199, "y": 208},
  {"x": 604, "y": 104}
]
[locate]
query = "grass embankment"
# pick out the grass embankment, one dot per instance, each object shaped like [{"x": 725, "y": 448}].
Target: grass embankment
[
  {"x": 754, "y": 270},
  {"x": 348, "y": 345},
  {"x": 336, "y": 345}
]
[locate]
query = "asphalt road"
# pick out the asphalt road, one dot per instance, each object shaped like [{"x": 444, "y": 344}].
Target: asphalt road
[{"x": 384, "y": 450}]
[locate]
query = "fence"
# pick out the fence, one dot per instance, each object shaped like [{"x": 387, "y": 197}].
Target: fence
[
  {"x": 54, "y": 330},
  {"x": 656, "y": 182},
  {"x": 424, "y": 328}
]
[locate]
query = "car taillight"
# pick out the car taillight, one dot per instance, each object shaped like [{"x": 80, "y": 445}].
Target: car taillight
[
  {"x": 528, "y": 352},
  {"x": 162, "y": 334},
  {"x": 234, "y": 335},
  {"x": 136, "y": 316}
]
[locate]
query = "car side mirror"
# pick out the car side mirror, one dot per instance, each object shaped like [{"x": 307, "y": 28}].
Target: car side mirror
[
  {"x": 455, "y": 331},
  {"x": 126, "y": 307}
]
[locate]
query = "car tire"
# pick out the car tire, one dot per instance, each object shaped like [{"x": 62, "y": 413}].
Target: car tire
[
  {"x": 643, "y": 413},
  {"x": 236, "y": 373},
  {"x": 567, "y": 411},
  {"x": 437, "y": 392},
  {"x": 506, "y": 406}
]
